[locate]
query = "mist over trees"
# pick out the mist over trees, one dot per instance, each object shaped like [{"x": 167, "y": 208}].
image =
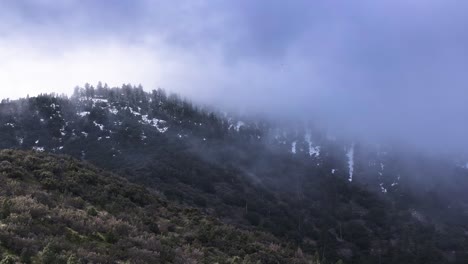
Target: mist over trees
[{"x": 287, "y": 180}]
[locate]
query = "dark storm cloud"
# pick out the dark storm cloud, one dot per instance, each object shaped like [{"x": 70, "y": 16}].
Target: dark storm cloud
[{"x": 376, "y": 69}]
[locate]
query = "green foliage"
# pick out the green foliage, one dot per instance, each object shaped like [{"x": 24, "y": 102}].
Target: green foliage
[
  {"x": 92, "y": 211},
  {"x": 6, "y": 209},
  {"x": 26, "y": 256},
  {"x": 73, "y": 260},
  {"x": 8, "y": 260},
  {"x": 49, "y": 254},
  {"x": 133, "y": 225}
]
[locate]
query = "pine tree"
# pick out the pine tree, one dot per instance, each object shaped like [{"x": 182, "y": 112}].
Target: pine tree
[
  {"x": 73, "y": 260},
  {"x": 6, "y": 209},
  {"x": 48, "y": 255},
  {"x": 8, "y": 260}
]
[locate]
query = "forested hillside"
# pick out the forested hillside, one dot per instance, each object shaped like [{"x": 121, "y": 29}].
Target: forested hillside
[
  {"x": 339, "y": 199},
  {"x": 55, "y": 209}
]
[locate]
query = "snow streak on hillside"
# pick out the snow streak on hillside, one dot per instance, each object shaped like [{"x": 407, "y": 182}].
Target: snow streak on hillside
[{"x": 350, "y": 156}]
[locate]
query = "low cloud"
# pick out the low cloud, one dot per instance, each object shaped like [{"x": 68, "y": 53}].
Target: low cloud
[{"x": 380, "y": 70}]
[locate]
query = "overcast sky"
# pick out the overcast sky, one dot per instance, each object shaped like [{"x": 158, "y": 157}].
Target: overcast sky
[{"x": 395, "y": 68}]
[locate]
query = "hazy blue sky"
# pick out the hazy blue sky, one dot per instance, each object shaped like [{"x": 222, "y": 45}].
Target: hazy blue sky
[{"x": 395, "y": 68}]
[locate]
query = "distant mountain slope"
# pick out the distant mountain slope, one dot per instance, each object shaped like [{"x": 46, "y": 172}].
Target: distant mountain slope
[
  {"x": 56, "y": 209},
  {"x": 362, "y": 204}
]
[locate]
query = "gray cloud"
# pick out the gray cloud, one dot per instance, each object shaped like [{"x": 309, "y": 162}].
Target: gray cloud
[{"x": 376, "y": 69}]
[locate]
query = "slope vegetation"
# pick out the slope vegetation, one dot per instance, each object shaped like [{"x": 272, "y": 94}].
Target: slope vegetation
[{"x": 55, "y": 209}]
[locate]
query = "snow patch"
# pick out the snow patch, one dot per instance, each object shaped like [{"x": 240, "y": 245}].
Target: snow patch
[
  {"x": 396, "y": 183},
  {"x": 113, "y": 110},
  {"x": 101, "y": 127},
  {"x": 383, "y": 188},
  {"x": 38, "y": 149},
  {"x": 99, "y": 100},
  {"x": 239, "y": 125},
  {"x": 350, "y": 156},
  {"x": 163, "y": 129},
  {"x": 313, "y": 150},
  {"x": 293, "y": 147},
  {"x": 135, "y": 113},
  {"x": 157, "y": 123},
  {"x": 83, "y": 114}
]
